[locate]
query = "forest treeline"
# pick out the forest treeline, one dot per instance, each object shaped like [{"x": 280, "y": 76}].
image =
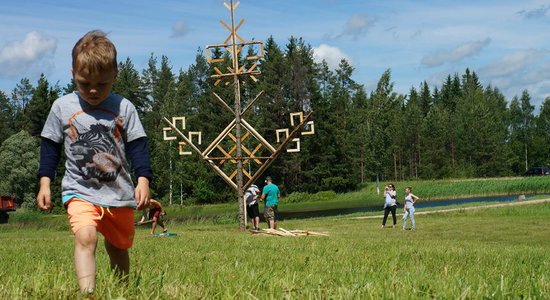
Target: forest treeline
[{"x": 460, "y": 129}]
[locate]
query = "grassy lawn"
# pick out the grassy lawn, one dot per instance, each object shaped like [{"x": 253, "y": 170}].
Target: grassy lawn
[{"x": 488, "y": 253}]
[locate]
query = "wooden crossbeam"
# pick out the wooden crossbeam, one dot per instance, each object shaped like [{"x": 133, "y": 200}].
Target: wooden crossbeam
[{"x": 279, "y": 149}]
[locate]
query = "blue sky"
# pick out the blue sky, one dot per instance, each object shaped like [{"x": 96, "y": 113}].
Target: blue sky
[{"x": 506, "y": 42}]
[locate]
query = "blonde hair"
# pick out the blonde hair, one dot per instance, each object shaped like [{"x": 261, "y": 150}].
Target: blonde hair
[{"x": 94, "y": 53}]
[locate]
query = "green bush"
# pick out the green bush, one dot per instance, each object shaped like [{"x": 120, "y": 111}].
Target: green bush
[
  {"x": 298, "y": 197},
  {"x": 337, "y": 184},
  {"x": 324, "y": 196},
  {"x": 203, "y": 192}
]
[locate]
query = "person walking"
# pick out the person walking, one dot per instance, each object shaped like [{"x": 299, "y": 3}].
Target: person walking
[
  {"x": 408, "y": 208},
  {"x": 390, "y": 204},
  {"x": 155, "y": 212},
  {"x": 270, "y": 194},
  {"x": 102, "y": 137}
]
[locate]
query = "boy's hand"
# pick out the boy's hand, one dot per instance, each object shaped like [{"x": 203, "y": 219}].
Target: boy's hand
[
  {"x": 43, "y": 199},
  {"x": 142, "y": 193}
]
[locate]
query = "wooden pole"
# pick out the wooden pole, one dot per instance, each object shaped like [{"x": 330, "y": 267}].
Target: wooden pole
[{"x": 237, "y": 110}]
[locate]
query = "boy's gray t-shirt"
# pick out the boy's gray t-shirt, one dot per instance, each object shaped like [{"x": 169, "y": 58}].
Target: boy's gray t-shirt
[{"x": 94, "y": 139}]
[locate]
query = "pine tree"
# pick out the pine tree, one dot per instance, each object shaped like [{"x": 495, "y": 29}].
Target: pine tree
[
  {"x": 6, "y": 117},
  {"x": 521, "y": 128},
  {"x": 541, "y": 141},
  {"x": 36, "y": 112},
  {"x": 129, "y": 85},
  {"x": 384, "y": 103},
  {"x": 20, "y": 97}
]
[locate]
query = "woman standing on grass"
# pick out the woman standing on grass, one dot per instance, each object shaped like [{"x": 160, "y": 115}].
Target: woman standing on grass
[
  {"x": 390, "y": 205},
  {"x": 408, "y": 208}
]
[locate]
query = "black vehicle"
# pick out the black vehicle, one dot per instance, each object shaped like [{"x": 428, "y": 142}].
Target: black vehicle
[{"x": 538, "y": 171}]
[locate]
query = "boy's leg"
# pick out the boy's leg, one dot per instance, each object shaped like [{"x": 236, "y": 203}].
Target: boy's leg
[
  {"x": 117, "y": 226},
  {"x": 161, "y": 223},
  {"x": 84, "y": 257},
  {"x": 154, "y": 225},
  {"x": 120, "y": 259}
]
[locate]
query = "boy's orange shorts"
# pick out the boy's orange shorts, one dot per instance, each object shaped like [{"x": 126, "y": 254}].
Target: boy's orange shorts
[{"x": 115, "y": 223}]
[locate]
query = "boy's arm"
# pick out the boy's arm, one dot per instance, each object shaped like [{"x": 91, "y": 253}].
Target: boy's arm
[
  {"x": 50, "y": 154},
  {"x": 43, "y": 199},
  {"x": 142, "y": 193},
  {"x": 139, "y": 157}
]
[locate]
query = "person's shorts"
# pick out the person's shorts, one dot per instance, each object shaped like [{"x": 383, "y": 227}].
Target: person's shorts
[
  {"x": 115, "y": 223},
  {"x": 270, "y": 212},
  {"x": 155, "y": 213},
  {"x": 253, "y": 211}
]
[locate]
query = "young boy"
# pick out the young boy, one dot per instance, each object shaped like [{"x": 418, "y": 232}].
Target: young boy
[{"x": 99, "y": 131}]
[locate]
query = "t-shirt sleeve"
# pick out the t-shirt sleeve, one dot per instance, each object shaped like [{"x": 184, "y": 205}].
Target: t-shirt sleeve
[
  {"x": 53, "y": 127},
  {"x": 134, "y": 128}
]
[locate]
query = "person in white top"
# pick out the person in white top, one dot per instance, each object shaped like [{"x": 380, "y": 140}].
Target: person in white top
[
  {"x": 252, "y": 207},
  {"x": 408, "y": 208}
]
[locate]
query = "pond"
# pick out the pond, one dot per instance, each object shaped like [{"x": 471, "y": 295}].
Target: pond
[{"x": 284, "y": 215}]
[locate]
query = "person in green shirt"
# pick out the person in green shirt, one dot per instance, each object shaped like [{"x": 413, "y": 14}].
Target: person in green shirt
[{"x": 270, "y": 194}]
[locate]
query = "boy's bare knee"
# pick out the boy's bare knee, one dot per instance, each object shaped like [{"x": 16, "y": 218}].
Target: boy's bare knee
[{"x": 86, "y": 236}]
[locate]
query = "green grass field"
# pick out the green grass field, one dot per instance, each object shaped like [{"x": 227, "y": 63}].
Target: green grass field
[{"x": 484, "y": 254}]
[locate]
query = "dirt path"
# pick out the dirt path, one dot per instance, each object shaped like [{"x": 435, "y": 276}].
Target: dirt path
[{"x": 514, "y": 203}]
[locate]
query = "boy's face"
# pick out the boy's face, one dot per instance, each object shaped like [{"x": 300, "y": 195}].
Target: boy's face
[{"x": 94, "y": 88}]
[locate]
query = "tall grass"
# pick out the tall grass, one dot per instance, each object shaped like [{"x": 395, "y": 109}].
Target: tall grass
[
  {"x": 458, "y": 188},
  {"x": 493, "y": 253}
]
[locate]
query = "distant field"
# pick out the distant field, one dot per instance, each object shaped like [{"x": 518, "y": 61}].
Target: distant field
[
  {"x": 365, "y": 197},
  {"x": 489, "y": 253}
]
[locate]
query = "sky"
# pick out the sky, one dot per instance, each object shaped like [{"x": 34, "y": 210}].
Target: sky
[{"x": 507, "y": 43}]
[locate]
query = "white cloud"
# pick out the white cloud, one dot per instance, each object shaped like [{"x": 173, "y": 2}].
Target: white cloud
[
  {"x": 524, "y": 69},
  {"x": 179, "y": 29},
  {"x": 460, "y": 52},
  {"x": 332, "y": 55},
  {"x": 512, "y": 63},
  {"x": 357, "y": 26},
  {"x": 32, "y": 54}
]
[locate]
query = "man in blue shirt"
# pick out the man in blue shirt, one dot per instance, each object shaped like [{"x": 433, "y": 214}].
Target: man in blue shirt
[{"x": 270, "y": 195}]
